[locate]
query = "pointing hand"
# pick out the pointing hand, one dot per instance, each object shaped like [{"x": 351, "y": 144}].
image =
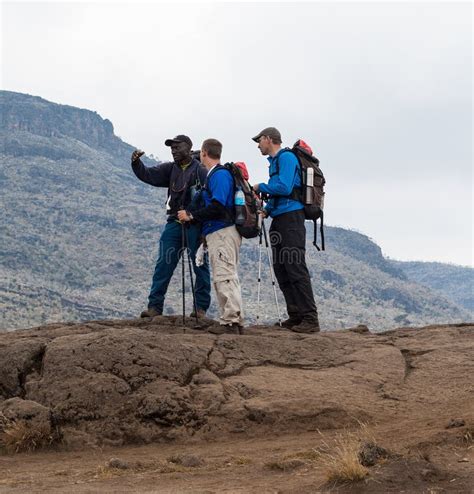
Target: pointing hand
[{"x": 136, "y": 154}]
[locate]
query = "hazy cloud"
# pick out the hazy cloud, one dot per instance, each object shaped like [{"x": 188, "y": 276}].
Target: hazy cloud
[{"x": 382, "y": 91}]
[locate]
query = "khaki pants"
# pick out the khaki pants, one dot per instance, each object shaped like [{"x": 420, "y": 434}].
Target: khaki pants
[{"x": 223, "y": 247}]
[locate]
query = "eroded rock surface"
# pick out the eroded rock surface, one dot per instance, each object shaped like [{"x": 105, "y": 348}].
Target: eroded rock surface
[{"x": 116, "y": 382}]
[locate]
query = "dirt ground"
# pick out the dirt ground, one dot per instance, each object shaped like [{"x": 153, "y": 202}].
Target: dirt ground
[
  {"x": 431, "y": 461},
  {"x": 277, "y": 416}
]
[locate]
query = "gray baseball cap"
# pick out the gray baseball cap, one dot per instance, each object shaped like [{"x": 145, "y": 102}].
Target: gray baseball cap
[{"x": 269, "y": 132}]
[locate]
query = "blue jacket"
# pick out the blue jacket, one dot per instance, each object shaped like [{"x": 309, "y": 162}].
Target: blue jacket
[
  {"x": 281, "y": 184},
  {"x": 218, "y": 195}
]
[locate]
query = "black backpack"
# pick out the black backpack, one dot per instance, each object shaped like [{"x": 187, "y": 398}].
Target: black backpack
[{"x": 311, "y": 195}]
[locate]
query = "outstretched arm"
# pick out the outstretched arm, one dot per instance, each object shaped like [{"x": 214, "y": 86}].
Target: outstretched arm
[{"x": 159, "y": 175}]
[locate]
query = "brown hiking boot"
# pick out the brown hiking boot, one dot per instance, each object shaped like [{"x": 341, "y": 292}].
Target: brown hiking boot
[
  {"x": 307, "y": 325},
  {"x": 234, "y": 328},
  {"x": 151, "y": 312},
  {"x": 200, "y": 313}
]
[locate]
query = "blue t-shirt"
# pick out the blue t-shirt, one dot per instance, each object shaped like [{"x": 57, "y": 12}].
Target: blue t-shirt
[
  {"x": 281, "y": 184},
  {"x": 219, "y": 187}
]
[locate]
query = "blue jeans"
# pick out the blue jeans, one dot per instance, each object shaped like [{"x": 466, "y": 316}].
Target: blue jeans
[{"x": 169, "y": 253}]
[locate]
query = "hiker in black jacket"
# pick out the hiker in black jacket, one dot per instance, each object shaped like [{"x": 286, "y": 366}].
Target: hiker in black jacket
[{"x": 183, "y": 176}]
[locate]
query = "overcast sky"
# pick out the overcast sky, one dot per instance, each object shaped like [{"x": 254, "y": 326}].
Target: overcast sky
[{"x": 382, "y": 92}]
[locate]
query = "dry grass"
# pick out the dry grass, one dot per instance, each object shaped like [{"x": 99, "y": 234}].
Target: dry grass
[
  {"x": 285, "y": 465},
  {"x": 424, "y": 455},
  {"x": 311, "y": 455},
  {"x": 468, "y": 436},
  {"x": 340, "y": 461},
  {"x": 241, "y": 460},
  {"x": 294, "y": 460},
  {"x": 105, "y": 472},
  {"x": 21, "y": 436},
  {"x": 4, "y": 422},
  {"x": 108, "y": 471}
]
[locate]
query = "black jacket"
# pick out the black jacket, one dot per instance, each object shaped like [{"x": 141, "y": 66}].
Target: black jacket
[{"x": 178, "y": 181}]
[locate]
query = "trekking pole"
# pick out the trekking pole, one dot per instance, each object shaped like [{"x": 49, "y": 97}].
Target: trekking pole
[
  {"x": 183, "y": 287},
  {"x": 188, "y": 251},
  {"x": 259, "y": 280},
  {"x": 270, "y": 264}
]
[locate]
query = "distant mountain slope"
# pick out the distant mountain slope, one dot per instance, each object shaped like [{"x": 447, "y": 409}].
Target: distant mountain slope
[
  {"x": 455, "y": 282},
  {"x": 79, "y": 236},
  {"x": 49, "y": 125}
]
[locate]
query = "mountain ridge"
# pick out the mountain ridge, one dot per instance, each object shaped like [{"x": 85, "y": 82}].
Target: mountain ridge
[
  {"x": 38, "y": 116},
  {"x": 81, "y": 229}
]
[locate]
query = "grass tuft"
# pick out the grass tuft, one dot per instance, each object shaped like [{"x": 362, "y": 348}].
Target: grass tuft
[
  {"x": 341, "y": 462},
  {"x": 21, "y": 436}
]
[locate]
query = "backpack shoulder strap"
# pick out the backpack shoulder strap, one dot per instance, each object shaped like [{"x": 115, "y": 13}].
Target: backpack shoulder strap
[
  {"x": 198, "y": 175},
  {"x": 230, "y": 215},
  {"x": 296, "y": 192},
  {"x": 277, "y": 167},
  {"x": 215, "y": 170}
]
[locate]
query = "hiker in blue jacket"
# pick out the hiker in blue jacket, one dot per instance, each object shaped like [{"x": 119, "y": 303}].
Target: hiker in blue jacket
[
  {"x": 222, "y": 238},
  {"x": 288, "y": 232},
  {"x": 182, "y": 176}
]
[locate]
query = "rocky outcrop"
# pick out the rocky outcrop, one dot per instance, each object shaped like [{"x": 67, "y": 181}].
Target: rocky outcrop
[
  {"x": 16, "y": 409},
  {"x": 25, "y": 116},
  {"x": 137, "y": 381}
]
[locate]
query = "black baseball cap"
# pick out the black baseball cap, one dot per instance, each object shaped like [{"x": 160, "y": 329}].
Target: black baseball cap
[
  {"x": 269, "y": 132},
  {"x": 177, "y": 139}
]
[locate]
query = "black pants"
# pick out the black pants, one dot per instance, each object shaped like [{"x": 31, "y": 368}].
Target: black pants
[{"x": 288, "y": 239}]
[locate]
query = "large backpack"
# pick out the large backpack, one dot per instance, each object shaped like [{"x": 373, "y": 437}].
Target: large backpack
[
  {"x": 312, "y": 196},
  {"x": 250, "y": 226}
]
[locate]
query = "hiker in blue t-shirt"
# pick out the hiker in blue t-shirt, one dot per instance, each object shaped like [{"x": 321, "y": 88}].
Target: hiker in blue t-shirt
[
  {"x": 287, "y": 232},
  {"x": 181, "y": 176},
  {"x": 222, "y": 238}
]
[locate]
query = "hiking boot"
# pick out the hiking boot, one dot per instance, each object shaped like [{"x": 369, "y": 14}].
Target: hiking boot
[
  {"x": 200, "y": 313},
  {"x": 307, "y": 325},
  {"x": 151, "y": 312},
  {"x": 234, "y": 328},
  {"x": 290, "y": 322}
]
